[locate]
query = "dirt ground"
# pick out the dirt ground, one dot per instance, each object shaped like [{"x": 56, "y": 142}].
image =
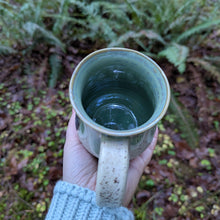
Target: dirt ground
[{"x": 182, "y": 180}]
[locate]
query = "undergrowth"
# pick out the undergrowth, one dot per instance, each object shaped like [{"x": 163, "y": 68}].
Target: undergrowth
[{"x": 169, "y": 28}]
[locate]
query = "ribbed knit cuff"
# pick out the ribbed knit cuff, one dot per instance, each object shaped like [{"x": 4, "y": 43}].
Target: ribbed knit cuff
[{"x": 73, "y": 202}]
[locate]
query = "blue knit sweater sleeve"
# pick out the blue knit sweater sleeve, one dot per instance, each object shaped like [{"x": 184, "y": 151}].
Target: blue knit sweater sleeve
[{"x": 71, "y": 202}]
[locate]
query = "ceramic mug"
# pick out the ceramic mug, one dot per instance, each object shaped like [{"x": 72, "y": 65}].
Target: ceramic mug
[{"x": 119, "y": 96}]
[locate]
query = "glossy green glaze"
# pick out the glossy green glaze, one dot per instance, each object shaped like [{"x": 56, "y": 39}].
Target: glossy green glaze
[
  {"x": 123, "y": 66},
  {"x": 117, "y": 104}
]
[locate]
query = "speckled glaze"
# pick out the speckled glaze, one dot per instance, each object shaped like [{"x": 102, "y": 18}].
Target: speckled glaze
[{"x": 115, "y": 148}]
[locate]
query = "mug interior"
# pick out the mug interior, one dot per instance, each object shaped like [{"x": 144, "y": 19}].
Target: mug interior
[{"x": 136, "y": 83}]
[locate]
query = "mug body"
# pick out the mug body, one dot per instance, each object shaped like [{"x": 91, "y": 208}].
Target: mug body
[
  {"x": 137, "y": 86},
  {"x": 91, "y": 139}
]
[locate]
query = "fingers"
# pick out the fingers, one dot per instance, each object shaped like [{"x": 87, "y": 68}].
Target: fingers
[
  {"x": 79, "y": 166},
  {"x": 140, "y": 162},
  {"x": 71, "y": 134},
  {"x": 147, "y": 154},
  {"x": 136, "y": 169}
]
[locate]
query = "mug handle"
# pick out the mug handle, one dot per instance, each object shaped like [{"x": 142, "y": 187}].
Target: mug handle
[{"x": 112, "y": 171}]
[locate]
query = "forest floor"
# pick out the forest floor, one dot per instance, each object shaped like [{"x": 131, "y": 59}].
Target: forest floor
[{"x": 182, "y": 179}]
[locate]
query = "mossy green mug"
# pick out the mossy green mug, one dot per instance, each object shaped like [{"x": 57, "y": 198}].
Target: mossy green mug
[{"x": 119, "y": 96}]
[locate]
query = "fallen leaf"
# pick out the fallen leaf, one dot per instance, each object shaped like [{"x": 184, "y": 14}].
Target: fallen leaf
[
  {"x": 170, "y": 211},
  {"x": 55, "y": 173},
  {"x": 180, "y": 79},
  {"x": 13, "y": 169},
  {"x": 1, "y": 193},
  {"x": 183, "y": 150},
  {"x": 142, "y": 196},
  {"x": 147, "y": 170},
  {"x": 193, "y": 162},
  {"x": 22, "y": 163},
  {"x": 3, "y": 124}
]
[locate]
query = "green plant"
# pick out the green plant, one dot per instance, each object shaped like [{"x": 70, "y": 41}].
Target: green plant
[
  {"x": 6, "y": 50},
  {"x": 171, "y": 31},
  {"x": 159, "y": 211},
  {"x": 40, "y": 208},
  {"x": 206, "y": 163},
  {"x": 178, "y": 196},
  {"x": 163, "y": 28},
  {"x": 68, "y": 19},
  {"x": 56, "y": 68},
  {"x": 199, "y": 28},
  {"x": 211, "y": 152},
  {"x": 185, "y": 122},
  {"x": 174, "y": 198},
  {"x": 177, "y": 55},
  {"x": 36, "y": 33},
  {"x": 143, "y": 212},
  {"x": 210, "y": 65},
  {"x": 165, "y": 145},
  {"x": 150, "y": 183}
]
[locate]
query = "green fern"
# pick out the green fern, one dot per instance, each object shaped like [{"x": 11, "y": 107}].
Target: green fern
[
  {"x": 185, "y": 122},
  {"x": 164, "y": 16},
  {"x": 7, "y": 15},
  {"x": 56, "y": 67},
  {"x": 60, "y": 22},
  {"x": 101, "y": 27},
  {"x": 123, "y": 38},
  {"x": 202, "y": 27},
  {"x": 150, "y": 34},
  {"x": 111, "y": 23},
  {"x": 214, "y": 59},
  {"x": 6, "y": 50},
  {"x": 177, "y": 55},
  {"x": 33, "y": 29},
  {"x": 37, "y": 17},
  {"x": 211, "y": 69},
  {"x": 66, "y": 19},
  {"x": 136, "y": 14},
  {"x": 115, "y": 12}
]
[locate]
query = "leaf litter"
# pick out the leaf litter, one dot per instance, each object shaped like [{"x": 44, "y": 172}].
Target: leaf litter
[{"x": 181, "y": 181}]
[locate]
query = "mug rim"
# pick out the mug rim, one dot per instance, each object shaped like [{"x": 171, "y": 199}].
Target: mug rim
[{"x": 111, "y": 132}]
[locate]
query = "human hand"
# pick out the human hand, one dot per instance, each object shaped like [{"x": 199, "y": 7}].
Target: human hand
[{"x": 80, "y": 167}]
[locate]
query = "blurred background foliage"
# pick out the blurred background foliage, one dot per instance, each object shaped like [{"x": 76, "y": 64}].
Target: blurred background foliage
[{"x": 170, "y": 28}]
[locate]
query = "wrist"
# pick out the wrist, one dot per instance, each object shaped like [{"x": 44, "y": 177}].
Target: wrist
[{"x": 70, "y": 201}]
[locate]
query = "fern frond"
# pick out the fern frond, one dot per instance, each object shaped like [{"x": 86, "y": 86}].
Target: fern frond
[
  {"x": 106, "y": 30},
  {"x": 177, "y": 55},
  {"x": 106, "y": 19},
  {"x": 12, "y": 6},
  {"x": 215, "y": 59},
  {"x": 174, "y": 24},
  {"x": 6, "y": 50},
  {"x": 26, "y": 12},
  {"x": 38, "y": 12},
  {"x": 185, "y": 122},
  {"x": 56, "y": 67},
  {"x": 113, "y": 10},
  {"x": 66, "y": 18},
  {"x": 63, "y": 12},
  {"x": 123, "y": 38},
  {"x": 6, "y": 13},
  {"x": 34, "y": 30},
  {"x": 135, "y": 12},
  {"x": 150, "y": 34},
  {"x": 211, "y": 69},
  {"x": 197, "y": 29}
]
